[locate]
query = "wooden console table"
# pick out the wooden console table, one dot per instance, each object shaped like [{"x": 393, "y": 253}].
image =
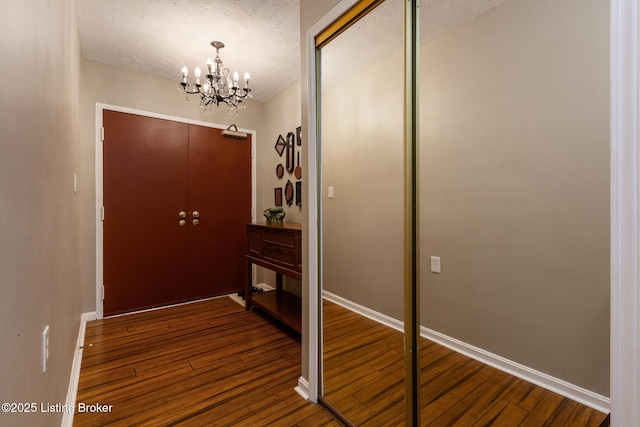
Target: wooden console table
[{"x": 277, "y": 247}]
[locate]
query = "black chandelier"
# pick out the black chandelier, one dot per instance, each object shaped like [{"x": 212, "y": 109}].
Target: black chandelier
[{"x": 219, "y": 86}]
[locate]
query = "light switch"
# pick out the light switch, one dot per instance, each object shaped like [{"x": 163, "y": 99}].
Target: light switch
[
  {"x": 435, "y": 264},
  {"x": 330, "y": 192}
]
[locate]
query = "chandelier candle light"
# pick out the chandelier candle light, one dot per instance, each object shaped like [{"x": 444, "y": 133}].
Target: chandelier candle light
[{"x": 219, "y": 87}]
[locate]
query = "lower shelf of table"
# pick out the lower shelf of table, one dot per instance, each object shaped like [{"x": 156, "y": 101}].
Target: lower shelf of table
[{"x": 283, "y": 306}]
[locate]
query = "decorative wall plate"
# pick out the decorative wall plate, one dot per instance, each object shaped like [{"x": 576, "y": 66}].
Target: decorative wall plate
[
  {"x": 299, "y": 136},
  {"x": 277, "y": 196},
  {"x": 279, "y": 171},
  {"x": 299, "y": 193}
]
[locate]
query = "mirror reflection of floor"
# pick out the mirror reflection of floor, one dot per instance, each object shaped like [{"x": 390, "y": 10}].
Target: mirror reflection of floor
[{"x": 364, "y": 381}]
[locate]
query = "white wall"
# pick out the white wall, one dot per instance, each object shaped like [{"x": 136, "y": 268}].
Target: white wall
[{"x": 39, "y": 211}]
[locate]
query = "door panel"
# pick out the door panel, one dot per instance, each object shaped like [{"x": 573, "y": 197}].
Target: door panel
[
  {"x": 220, "y": 190},
  {"x": 145, "y": 187}
]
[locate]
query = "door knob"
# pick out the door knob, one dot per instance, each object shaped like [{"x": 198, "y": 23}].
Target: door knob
[
  {"x": 182, "y": 214},
  {"x": 182, "y": 223},
  {"x": 196, "y": 214},
  {"x": 196, "y": 221}
]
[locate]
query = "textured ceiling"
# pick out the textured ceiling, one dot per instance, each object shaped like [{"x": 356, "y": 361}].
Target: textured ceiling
[
  {"x": 261, "y": 36},
  {"x": 160, "y": 36},
  {"x": 380, "y": 33}
]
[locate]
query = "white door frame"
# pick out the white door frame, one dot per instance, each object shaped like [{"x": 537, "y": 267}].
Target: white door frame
[
  {"x": 310, "y": 387},
  {"x": 625, "y": 211},
  {"x": 99, "y": 182}
]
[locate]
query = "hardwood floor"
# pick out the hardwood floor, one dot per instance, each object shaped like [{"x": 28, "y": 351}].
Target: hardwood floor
[
  {"x": 364, "y": 381},
  {"x": 209, "y": 363},
  {"x": 212, "y": 363}
]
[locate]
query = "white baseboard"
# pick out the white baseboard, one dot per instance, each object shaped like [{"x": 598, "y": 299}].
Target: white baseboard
[
  {"x": 556, "y": 385},
  {"x": 303, "y": 388},
  {"x": 67, "y": 418},
  {"x": 265, "y": 287}
]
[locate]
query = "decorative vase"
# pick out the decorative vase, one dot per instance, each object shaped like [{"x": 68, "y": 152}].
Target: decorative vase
[{"x": 274, "y": 215}]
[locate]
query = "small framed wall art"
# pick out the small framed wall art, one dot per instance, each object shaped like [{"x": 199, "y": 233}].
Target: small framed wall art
[
  {"x": 289, "y": 193},
  {"x": 281, "y": 144},
  {"x": 291, "y": 152}
]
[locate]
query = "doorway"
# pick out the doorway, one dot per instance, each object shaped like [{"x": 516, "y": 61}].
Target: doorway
[{"x": 177, "y": 196}]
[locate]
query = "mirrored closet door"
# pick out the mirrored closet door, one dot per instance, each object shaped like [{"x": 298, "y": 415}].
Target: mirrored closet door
[
  {"x": 362, "y": 180},
  {"x": 513, "y": 226},
  {"x": 514, "y": 202}
]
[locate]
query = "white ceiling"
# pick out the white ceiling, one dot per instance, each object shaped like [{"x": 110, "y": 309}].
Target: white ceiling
[{"x": 262, "y": 37}]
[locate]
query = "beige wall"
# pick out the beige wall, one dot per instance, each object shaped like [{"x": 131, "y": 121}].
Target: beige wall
[
  {"x": 514, "y": 189},
  {"x": 281, "y": 116},
  {"x": 515, "y": 186},
  {"x": 116, "y": 86},
  {"x": 39, "y": 211},
  {"x": 363, "y": 160}
]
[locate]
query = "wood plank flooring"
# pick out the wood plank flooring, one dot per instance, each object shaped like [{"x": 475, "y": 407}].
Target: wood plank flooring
[
  {"x": 364, "y": 381},
  {"x": 209, "y": 363}
]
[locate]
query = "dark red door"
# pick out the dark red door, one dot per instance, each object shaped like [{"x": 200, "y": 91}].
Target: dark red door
[
  {"x": 220, "y": 192},
  {"x": 145, "y": 185},
  {"x": 154, "y": 170}
]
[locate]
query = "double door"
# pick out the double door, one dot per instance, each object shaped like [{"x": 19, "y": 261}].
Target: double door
[{"x": 177, "y": 197}]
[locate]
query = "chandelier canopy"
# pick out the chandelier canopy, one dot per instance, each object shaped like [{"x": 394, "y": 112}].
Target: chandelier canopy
[{"x": 218, "y": 86}]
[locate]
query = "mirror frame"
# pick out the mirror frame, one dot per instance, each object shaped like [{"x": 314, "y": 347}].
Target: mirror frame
[
  {"x": 625, "y": 209},
  {"x": 343, "y": 16}
]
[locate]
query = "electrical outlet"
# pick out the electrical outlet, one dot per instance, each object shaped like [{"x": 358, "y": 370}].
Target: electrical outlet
[
  {"x": 435, "y": 264},
  {"x": 45, "y": 348}
]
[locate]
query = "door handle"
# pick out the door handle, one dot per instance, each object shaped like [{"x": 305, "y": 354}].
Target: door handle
[
  {"x": 182, "y": 215},
  {"x": 196, "y": 221},
  {"x": 195, "y": 214},
  {"x": 182, "y": 222}
]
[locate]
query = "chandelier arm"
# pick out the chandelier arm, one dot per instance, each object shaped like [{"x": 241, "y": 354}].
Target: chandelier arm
[{"x": 219, "y": 87}]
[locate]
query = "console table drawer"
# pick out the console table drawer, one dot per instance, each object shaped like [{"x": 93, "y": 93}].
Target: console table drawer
[
  {"x": 279, "y": 238},
  {"x": 254, "y": 240},
  {"x": 278, "y": 255}
]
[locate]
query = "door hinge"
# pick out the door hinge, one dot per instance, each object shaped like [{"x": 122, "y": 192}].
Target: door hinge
[
  {"x": 253, "y": 152},
  {"x": 102, "y": 291},
  {"x": 102, "y": 213},
  {"x": 253, "y": 212},
  {"x": 102, "y": 134}
]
